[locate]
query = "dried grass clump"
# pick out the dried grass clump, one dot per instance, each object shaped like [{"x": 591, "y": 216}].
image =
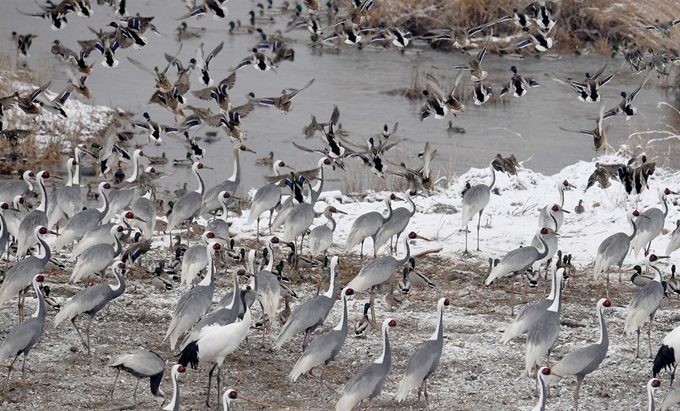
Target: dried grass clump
[{"x": 598, "y": 23}]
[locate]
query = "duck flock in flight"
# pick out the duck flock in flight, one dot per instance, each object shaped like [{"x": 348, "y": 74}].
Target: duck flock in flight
[{"x": 94, "y": 243}]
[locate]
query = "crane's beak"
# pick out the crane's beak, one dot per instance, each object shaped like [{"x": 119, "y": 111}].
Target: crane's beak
[
  {"x": 565, "y": 211},
  {"x": 663, "y": 256},
  {"x": 421, "y": 237},
  {"x": 139, "y": 219},
  {"x": 53, "y": 232},
  {"x": 208, "y": 167},
  {"x": 397, "y": 198},
  {"x": 250, "y": 150},
  {"x": 340, "y": 211}
]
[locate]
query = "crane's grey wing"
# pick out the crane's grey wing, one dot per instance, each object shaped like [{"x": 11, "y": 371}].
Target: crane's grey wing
[
  {"x": 581, "y": 361},
  {"x": 647, "y": 298},
  {"x": 22, "y": 338},
  {"x": 368, "y": 382},
  {"x": 425, "y": 359},
  {"x": 327, "y": 346},
  {"x": 91, "y": 299},
  {"x": 545, "y": 330},
  {"x": 672, "y": 398},
  {"x": 143, "y": 362}
]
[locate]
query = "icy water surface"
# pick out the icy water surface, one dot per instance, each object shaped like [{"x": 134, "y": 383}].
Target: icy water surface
[{"x": 356, "y": 81}]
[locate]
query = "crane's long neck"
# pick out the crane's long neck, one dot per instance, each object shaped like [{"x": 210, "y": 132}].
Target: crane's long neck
[
  {"x": 236, "y": 174},
  {"x": 650, "y": 397},
  {"x": 331, "y": 222},
  {"x": 69, "y": 170},
  {"x": 104, "y": 209},
  {"x": 48, "y": 253},
  {"x": 223, "y": 217},
  {"x": 27, "y": 181},
  {"x": 201, "y": 185},
  {"x": 76, "y": 174},
  {"x": 234, "y": 293},
  {"x": 135, "y": 165},
  {"x": 386, "y": 356},
  {"x": 342, "y": 325},
  {"x": 117, "y": 247},
  {"x": 412, "y": 204},
  {"x": 555, "y": 306},
  {"x": 43, "y": 195},
  {"x": 388, "y": 203},
  {"x": 174, "y": 404},
  {"x": 493, "y": 176},
  {"x": 119, "y": 288},
  {"x": 630, "y": 220},
  {"x": 540, "y": 406},
  {"x": 542, "y": 254},
  {"x": 665, "y": 207},
  {"x": 438, "y": 334},
  {"x": 209, "y": 271},
  {"x": 251, "y": 263},
  {"x": 560, "y": 189},
  {"x": 270, "y": 263},
  {"x": 553, "y": 286},
  {"x": 40, "y": 311},
  {"x": 331, "y": 283},
  {"x": 657, "y": 273},
  {"x": 408, "y": 253},
  {"x": 604, "y": 337},
  {"x": 316, "y": 190}
]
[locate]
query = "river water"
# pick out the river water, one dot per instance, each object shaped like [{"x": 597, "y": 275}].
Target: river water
[{"x": 355, "y": 80}]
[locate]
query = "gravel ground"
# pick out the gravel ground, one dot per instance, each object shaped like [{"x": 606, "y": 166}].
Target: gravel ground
[{"x": 476, "y": 372}]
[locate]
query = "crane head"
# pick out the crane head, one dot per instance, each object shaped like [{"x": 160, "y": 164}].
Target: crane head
[
  {"x": 129, "y": 215},
  {"x": 275, "y": 240},
  {"x": 217, "y": 247},
  {"x": 232, "y": 394},
  {"x": 42, "y": 230},
  {"x": 392, "y": 323},
  {"x": 45, "y": 174},
  {"x": 181, "y": 369},
  {"x": 39, "y": 278},
  {"x": 446, "y": 301},
  {"x": 327, "y": 161},
  {"x": 210, "y": 234},
  {"x": 544, "y": 231},
  {"x": 607, "y": 303},
  {"x": 655, "y": 383},
  {"x": 349, "y": 291},
  {"x": 4, "y": 206},
  {"x": 636, "y": 213},
  {"x": 545, "y": 371}
]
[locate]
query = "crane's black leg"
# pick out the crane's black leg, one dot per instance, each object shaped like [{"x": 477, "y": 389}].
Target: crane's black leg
[
  {"x": 73, "y": 321},
  {"x": 219, "y": 385},
  {"x": 114, "y": 383},
  {"x": 207, "y": 398},
  {"x": 23, "y": 367},
  {"x": 479, "y": 223},
  {"x": 134, "y": 394}
]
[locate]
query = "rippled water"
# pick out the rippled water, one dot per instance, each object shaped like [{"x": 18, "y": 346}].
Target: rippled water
[{"x": 356, "y": 81}]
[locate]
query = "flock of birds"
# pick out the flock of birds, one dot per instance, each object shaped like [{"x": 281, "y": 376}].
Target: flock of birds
[{"x": 201, "y": 333}]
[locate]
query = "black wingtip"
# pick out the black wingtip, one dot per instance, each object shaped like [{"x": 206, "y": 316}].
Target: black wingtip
[
  {"x": 665, "y": 358},
  {"x": 189, "y": 355}
]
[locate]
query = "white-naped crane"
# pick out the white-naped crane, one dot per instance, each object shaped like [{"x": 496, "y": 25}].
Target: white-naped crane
[
  {"x": 195, "y": 258},
  {"x": 379, "y": 271},
  {"x": 644, "y": 304},
  {"x": 519, "y": 260},
  {"x": 541, "y": 375},
  {"x": 188, "y": 207},
  {"x": 122, "y": 195},
  {"x": 214, "y": 344},
  {"x": 585, "y": 360},
  {"x": 652, "y": 385},
  {"x": 528, "y": 315},
  {"x": 78, "y": 225},
  {"x": 395, "y": 225},
  {"x": 425, "y": 360},
  {"x": 266, "y": 285},
  {"x": 173, "y": 405},
  {"x": 22, "y": 272},
  {"x": 210, "y": 201},
  {"x": 141, "y": 364},
  {"x": 91, "y": 300},
  {"x": 20, "y": 187},
  {"x": 145, "y": 210},
  {"x": 321, "y": 237},
  {"x": 266, "y": 198},
  {"x": 102, "y": 234},
  {"x": 229, "y": 395},
  {"x": 613, "y": 249},
  {"x": 542, "y": 334},
  {"x": 220, "y": 225},
  {"x": 475, "y": 200},
  {"x": 651, "y": 226},
  {"x": 97, "y": 258},
  {"x": 367, "y": 225},
  {"x": 65, "y": 201},
  {"x": 368, "y": 382},
  {"x": 23, "y": 337},
  {"x": 194, "y": 303},
  {"x": 326, "y": 347},
  {"x": 36, "y": 218},
  {"x": 311, "y": 314},
  {"x": 545, "y": 219},
  {"x": 674, "y": 243}
]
